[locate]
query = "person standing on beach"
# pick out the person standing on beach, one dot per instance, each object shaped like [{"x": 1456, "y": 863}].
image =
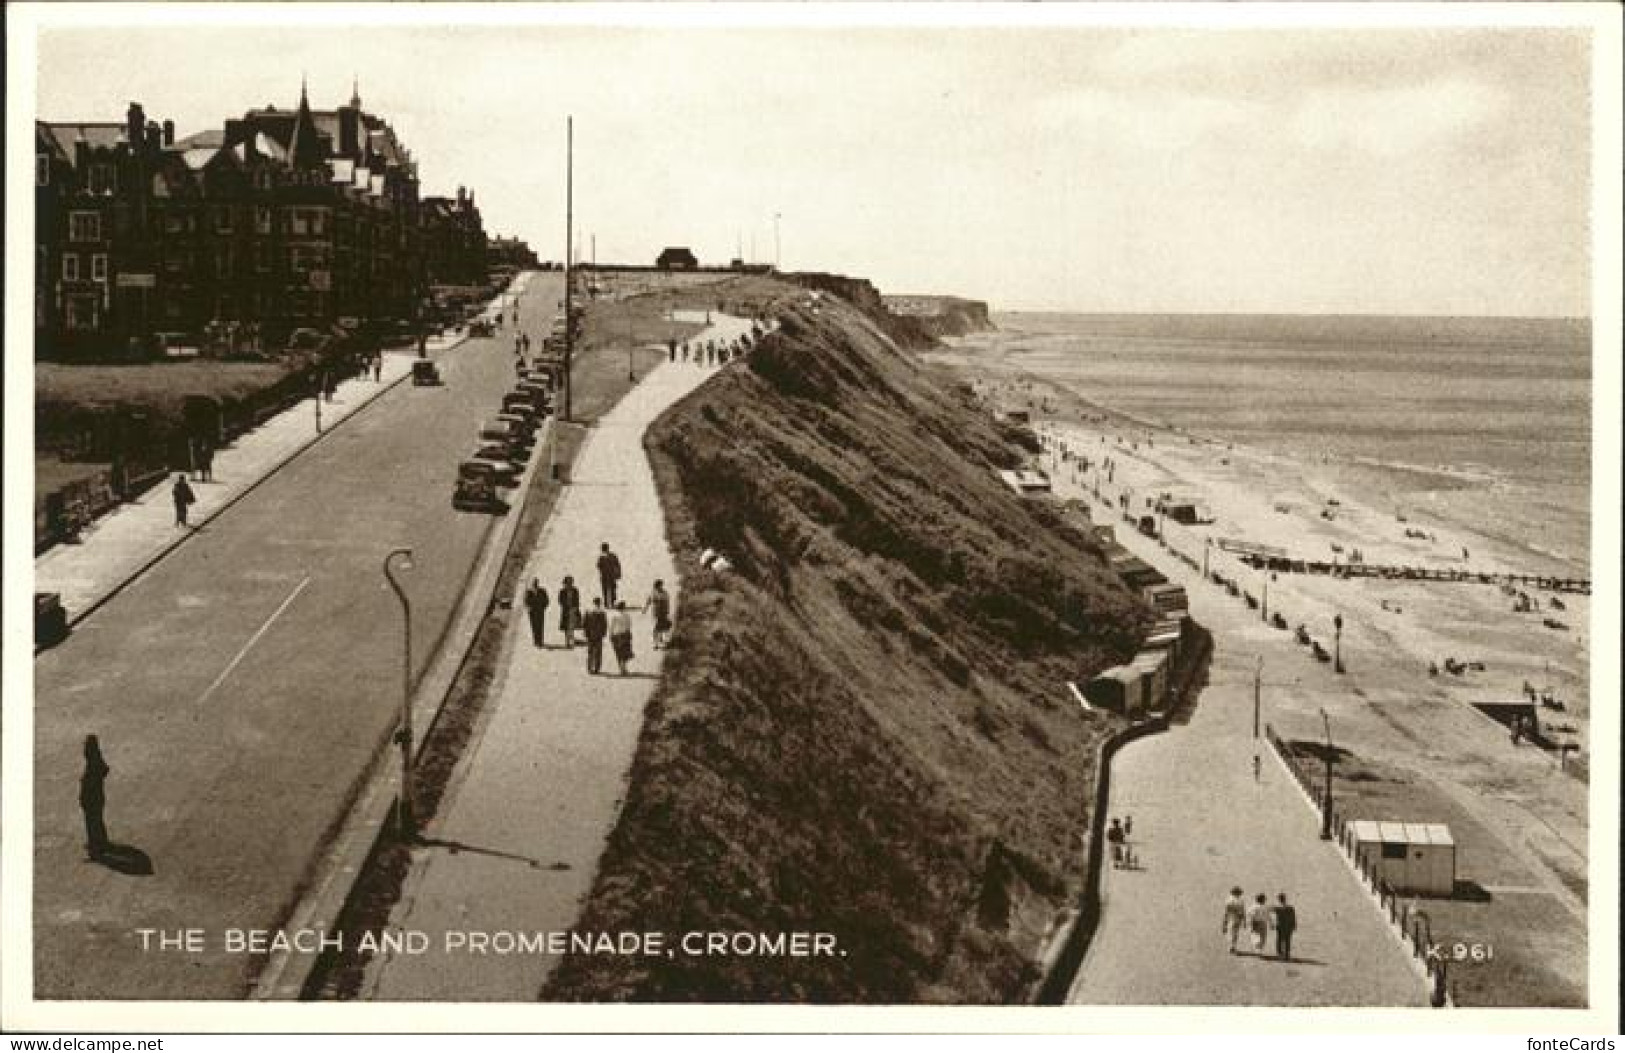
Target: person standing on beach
[
  {"x": 536, "y": 607},
  {"x": 1114, "y": 838},
  {"x": 596, "y": 626},
  {"x": 1258, "y": 922},
  {"x": 569, "y": 610},
  {"x": 1286, "y": 923},
  {"x": 93, "y": 798},
  {"x": 660, "y": 600},
  {"x": 184, "y": 498},
  {"x": 1235, "y": 917},
  {"x": 609, "y": 574},
  {"x": 620, "y": 636}
]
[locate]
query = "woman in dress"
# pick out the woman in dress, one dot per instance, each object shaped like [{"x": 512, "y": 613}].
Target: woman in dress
[
  {"x": 660, "y": 601},
  {"x": 569, "y": 601},
  {"x": 620, "y": 635}
]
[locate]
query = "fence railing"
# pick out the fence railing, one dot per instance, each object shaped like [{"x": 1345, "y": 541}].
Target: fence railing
[{"x": 1411, "y": 924}]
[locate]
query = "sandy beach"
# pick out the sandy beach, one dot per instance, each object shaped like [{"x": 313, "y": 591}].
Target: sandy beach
[{"x": 1419, "y": 749}]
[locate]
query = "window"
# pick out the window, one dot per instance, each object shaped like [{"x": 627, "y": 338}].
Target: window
[
  {"x": 42, "y": 169},
  {"x": 262, "y": 256},
  {"x": 70, "y": 267},
  {"x": 84, "y": 226},
  {"x": 103, "y": 179},
  {"x": 1393, "y": 850},
  {"x": 222, "y": 219},
  {"x": 98, "y": 267},
  {"x": 262, "y": 219},
  {"x": 174, "y": 223},
  {"x": 222, "y": 263}
]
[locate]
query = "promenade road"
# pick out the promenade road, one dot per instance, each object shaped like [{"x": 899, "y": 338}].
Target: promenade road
[
  {"x": 1202, "y": 824},
  {"x": 515, "y": 845},
  {"x": 242, "y": 686}
]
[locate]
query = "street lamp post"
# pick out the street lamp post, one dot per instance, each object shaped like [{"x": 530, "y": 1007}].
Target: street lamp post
[
  {"x": 406, "y": 823},
  {"x": 1337, "y": 642},
  {"x": 776, "y": 217},
  {"x": 1326, "y": 797},
  {"x": 1264, "y": 611},
  {"x": 1258, "y": 692}
]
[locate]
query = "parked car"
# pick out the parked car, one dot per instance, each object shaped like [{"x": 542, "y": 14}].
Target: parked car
[
  {"x": 477, "y": 495},
  {"x": 502, "y": 451},
  {"x": 497, "y": 472},
  {"x": 426, "y": 374}
]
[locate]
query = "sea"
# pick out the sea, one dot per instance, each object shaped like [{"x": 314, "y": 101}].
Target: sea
[{"x": 1480, "y": 422}]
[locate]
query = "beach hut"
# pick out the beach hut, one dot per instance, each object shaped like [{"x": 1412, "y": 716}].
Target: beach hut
[
  {"x": 1026, "y": 481},
  {"x": 1166, "y": 597},
  {"x": 1417, "y": 858},
  {"x": 1117, "y": 688},
  {"x": 1152, "y": 667}
]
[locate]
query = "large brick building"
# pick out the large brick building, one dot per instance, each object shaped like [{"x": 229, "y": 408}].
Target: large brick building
[{"x": 237, "y": 237}]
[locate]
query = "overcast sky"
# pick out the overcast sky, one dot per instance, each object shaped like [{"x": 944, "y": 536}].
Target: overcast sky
[{"x": 1358, "y": 171}]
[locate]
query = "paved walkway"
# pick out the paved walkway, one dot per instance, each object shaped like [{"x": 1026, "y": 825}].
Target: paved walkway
[
  {"x": 515, "y": 846},
  {"x": 1203, "y": 824},
  {"x": 122, "y": 544}
]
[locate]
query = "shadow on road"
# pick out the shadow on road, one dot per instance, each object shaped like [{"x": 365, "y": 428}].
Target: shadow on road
[{"x": 125, "y": 859}]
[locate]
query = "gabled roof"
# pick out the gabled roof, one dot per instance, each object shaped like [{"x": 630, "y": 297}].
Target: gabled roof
[{"x": 99, "y": 134}]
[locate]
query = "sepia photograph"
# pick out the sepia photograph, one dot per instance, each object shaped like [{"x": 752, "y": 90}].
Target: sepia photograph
[{"x": 1077, "y": 517}]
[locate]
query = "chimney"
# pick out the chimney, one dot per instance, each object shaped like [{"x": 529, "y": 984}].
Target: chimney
[
  {"x": 169, "y": 133},
  {"x": 134, "y": 123},
  {"x": 153, "y": 134},
  {"x": 462, "y": 196},
  {"x": 349, "y": 118}
]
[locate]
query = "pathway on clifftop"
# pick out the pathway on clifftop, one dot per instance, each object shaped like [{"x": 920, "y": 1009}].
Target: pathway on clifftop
[{"x": 515, "y": 846}]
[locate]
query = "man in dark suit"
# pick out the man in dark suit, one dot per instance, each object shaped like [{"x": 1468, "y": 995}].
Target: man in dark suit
[
  {"x": 609, "y": 574},
  {"x": 1286, "y": 923},
  {"x": 596, "y": 626}
]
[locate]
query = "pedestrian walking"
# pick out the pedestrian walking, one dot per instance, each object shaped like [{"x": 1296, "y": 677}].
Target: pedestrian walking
[
  {"x": 1286, "y": 923},
  {"x": 609, "y": 574},
  {"x": 184, "y": 499},
  {"x": 378, "y": 366},
  {"x": 620, "y": 636},
  {"x": 596, "y": 626},
  {"x": 685, "y": 350},
  {"x": 208, "y": 461},
  {"x": 93, "y": 798},
  {"x": 569, "y": 598},
  {"x": 536, "y": 602},
  {"x": 1128, "y": 828},
  {"x": 671, "y": 350},
  {"x": 1258, "y": 922},
  {"x": 1114, "y": 838},
  {"x": 1235, "y": 917},
  {"x": 660, "y": 601},
  {"x": 1258, "y": 768}
]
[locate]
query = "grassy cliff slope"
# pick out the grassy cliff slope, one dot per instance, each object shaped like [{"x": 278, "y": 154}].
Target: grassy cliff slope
[{"x": 863, "y": 727}]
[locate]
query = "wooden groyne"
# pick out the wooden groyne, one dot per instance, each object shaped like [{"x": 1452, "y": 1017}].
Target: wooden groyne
[{"x": 1400, "y": 573}]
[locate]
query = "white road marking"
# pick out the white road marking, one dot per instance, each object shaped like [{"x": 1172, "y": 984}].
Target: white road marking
[{"x": 252, "y": 640}]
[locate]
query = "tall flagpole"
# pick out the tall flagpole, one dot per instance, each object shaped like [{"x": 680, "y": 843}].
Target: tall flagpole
[{"x": 569, "y": 251}]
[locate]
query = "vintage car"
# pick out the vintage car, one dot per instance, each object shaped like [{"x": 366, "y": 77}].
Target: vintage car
[
  {"x": 477, "y": 495},
  {"x": 425, "y": 374},
  {"x": 491, "y": 469},
  {"x": 501, "y": 450}
]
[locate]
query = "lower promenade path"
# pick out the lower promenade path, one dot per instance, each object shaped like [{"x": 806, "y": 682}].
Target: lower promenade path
[
  {"x": 515, "y": 845},
  {"x": 1202, "y": 824}
]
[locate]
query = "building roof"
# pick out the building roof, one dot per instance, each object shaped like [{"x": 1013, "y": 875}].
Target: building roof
[
  {"x": 1373, "y": 830},
  {"x": 99, "y": 134}
]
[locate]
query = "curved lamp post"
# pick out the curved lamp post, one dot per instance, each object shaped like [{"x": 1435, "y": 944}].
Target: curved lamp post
[
  {"x": 406, "y": 823},
  {"x": 1326, "y": 809}
]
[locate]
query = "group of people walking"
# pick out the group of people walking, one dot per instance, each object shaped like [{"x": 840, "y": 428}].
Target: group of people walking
[
  {"x": 1256, "y": 920},
  {"x": 607, "y": 619},
  {"x": 709, "y": 353}
]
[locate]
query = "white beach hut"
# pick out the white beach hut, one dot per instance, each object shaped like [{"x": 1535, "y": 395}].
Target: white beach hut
[{"x": 1412, "y": 857}]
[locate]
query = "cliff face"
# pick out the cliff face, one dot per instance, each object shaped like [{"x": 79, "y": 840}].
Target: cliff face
[
  {"x": 958, "y": 317},
  {"x": 863, "y": 727}
]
